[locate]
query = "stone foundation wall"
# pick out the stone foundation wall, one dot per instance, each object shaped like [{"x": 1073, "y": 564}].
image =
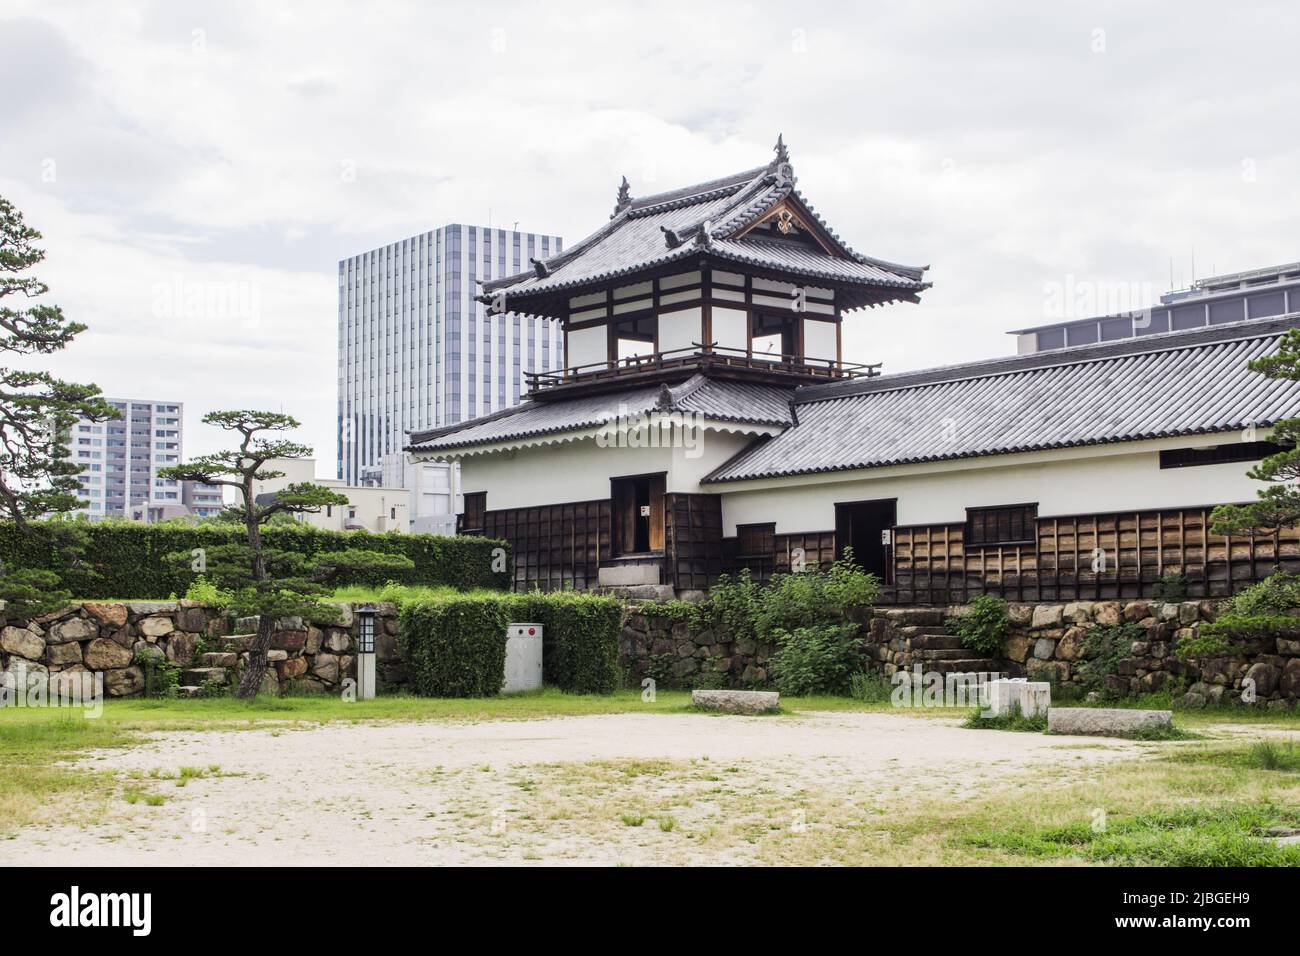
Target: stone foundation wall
[
  {"x": 106, "y": 637},
  {"x": 1046, "y": 644}
]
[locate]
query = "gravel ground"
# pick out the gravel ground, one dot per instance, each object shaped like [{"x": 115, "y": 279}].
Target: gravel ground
[{"x": 651, "y": 789}]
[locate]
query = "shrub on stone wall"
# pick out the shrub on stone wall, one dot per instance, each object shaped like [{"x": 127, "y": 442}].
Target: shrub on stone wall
[
  {"x": 580, "y": 649},
  {"x": 128, "y": 560},
  {"x": 984, "y": 626},
  {"x": 455, "y": 646},
  {"x": 579, "y": 642},
  {"x": 819, "y": 659}
]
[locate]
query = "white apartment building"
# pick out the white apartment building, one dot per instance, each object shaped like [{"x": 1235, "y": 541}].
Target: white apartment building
[
  {"x": 416, "y": 350},
  {"x": 369, "y": 508},
  {"x": 119, "y": 460}
]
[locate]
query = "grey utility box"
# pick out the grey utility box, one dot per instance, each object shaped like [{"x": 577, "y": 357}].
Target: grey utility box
[{"x": 523, "y": 658}]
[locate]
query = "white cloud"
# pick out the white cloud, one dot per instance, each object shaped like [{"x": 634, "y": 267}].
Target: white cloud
[{"x": 1000, "y": 147}]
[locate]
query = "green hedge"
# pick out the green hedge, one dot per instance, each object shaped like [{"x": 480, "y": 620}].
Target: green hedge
[
  {"x": 126, "y": 560},
  {"x": 582, "y": 637},
  {"x": 455, "y": 647},
  {"x": 579, "y": 643}
]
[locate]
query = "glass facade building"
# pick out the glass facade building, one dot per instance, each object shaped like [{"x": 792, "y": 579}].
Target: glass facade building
[{"x": 417, "y": 351}]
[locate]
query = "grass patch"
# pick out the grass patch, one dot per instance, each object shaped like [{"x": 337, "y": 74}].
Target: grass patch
[
  {"x": 632, "y": 819},
  {"x": 401, "y": 593},
  {"x": 1225, "y": 835},
  {"x": 1270, "y": 755},
  {"x": 1014, "y": 721},
  {"x": 1172, "y": 732}
]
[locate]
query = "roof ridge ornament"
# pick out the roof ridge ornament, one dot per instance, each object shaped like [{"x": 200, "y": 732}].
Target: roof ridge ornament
[
  {"x": 540, "y": 267},
  {"x": 672, "y": 237},
  {"x": 780, "y": 165},
  {"x": 782, "y": 153},
  {"x": 665, "y": 400},
  {"x": 624, "y": 198},
  {"x": 705, "y": 236}
]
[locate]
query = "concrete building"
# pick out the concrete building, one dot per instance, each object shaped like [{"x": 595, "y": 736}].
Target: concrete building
[
  {"x": 1216, "y": 300},
  {"x": 416, "y": 350},
  {"x": 369, "y": 508},
  {"x": 202, "y": 501},
  {"x": 119, "y": 460}
]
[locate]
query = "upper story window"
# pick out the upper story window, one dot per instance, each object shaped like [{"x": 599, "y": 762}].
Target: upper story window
[
  {"x": 772, "y": 336},
  {"x": 1219, "y": 454},
  {"x": 1003, "y": 525},
  {"x": 635, "y": 336}
]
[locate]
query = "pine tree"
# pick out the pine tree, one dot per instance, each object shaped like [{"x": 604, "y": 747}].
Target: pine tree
[
  {"x": 37, "y": 413},
  {"x": 1278, "y": 506},
  {"x": 269, "y": 582}
]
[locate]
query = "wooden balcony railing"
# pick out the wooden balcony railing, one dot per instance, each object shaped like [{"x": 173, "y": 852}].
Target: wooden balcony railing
[{"x": 701, "y": 356}]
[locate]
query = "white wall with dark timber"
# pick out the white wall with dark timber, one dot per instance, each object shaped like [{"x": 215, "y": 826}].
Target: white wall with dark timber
[
  {"x": 730, "y": 328},
  {"x": 1097, "y": 479},
  {"x": 580, "y": 470},
  {"x": 588, "y": 346},
  {"x": 680, "y": 330},
  {"x": 818, "y": 339}
]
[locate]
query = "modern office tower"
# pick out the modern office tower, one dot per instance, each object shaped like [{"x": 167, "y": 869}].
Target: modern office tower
[
  {"x": 417, "y": 351},
  {"x": 120, "y": 459},
  {"x": 1233, "y": 297}
]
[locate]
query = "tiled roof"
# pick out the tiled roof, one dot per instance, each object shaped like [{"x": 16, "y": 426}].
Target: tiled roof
[
  {"x": 703, "y": 220},
  {"x": 716, "y": 400},
  {"x": 1180, "y": 383}
]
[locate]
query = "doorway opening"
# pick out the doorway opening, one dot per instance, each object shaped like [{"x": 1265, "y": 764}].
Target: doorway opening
[
  {"x": 638, "y": 514},
  {"x": 634, "y": 338},
  {"x": 867, "y": 528},
  {"x": 772, "y": 337}
]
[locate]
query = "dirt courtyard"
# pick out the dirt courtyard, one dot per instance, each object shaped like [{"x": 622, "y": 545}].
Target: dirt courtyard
[{"x": 640, "y": 789}]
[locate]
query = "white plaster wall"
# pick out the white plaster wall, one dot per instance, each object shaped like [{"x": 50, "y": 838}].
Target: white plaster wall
[
  {"x": 581, "y": 470},
  {"x": 818, "y": 339},
  {"x": 587, "y": 346},
  {"x": 1077, "y": 481},
  {"x": 730, "y": 328},
  {"x": 677, "y": 330}
]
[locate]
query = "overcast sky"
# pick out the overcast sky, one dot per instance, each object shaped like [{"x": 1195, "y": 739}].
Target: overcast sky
[{"x": 174, "y": 153}]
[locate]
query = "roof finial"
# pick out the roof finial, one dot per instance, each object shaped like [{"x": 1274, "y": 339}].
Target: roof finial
[
  {"x": 624, "y": 198},
  {"x": 782, "y": 154}
]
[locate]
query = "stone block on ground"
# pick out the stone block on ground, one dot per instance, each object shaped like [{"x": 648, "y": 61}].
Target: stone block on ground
[
  {"x": 1007, "y": 696},
  {"x": 1106, "y": 721},
  {"x": 737, "y": 701},
  {"x": 628, "y": 575}
]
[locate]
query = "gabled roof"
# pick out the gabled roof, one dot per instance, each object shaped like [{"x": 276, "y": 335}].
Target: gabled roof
[
  {"x": 711, "y": 220},
  {"x": 1178, "y": 383},
  {"x": 719, "y": 401}
]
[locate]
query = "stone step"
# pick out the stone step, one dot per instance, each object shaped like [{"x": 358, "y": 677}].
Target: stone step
[
  {"x": 236, "y": 643},
  {"x": 943, "y": 654},
  {"x": 923, "y": 630},
  {"x": 916, "y": 616},
  {"x": 218, "y": 659},
  {"x": 197, "y": 675},
  {"x": 189, "y": 690},
  {"x": 966, "y": 665},
  {"x": 937, "y": 642}
]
